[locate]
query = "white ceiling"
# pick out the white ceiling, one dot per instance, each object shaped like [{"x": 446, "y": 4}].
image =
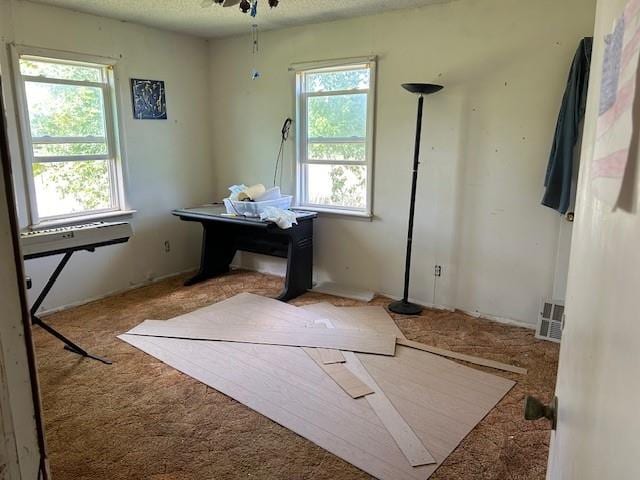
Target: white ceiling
[{"x": 187, "y": 16}]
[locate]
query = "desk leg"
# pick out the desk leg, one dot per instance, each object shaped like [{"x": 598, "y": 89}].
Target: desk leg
[
  {"x": 218, "y": 249},
  {"x": 299, "y": 277}
]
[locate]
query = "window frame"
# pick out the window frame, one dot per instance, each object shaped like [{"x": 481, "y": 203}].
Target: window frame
[
  {"x": 302, "y": 143},
  {"x": 112, "y": 139}
]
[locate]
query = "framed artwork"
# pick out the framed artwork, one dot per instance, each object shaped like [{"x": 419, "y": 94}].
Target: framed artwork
[{"x": 148, "y": 98}]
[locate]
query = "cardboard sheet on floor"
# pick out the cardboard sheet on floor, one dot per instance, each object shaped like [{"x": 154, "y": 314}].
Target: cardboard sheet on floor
[
  {"x": 375, "y": 319},
  {"x": 340, "y": 339},
  {"x": 339, "y": 373},
  {"x": 283, "y": 384},
  {"x": 250, "y": 309},
  {"x": 329, "y": 356},
  {"x": 485, "y": 362},
  {"x": 409, "y": 443},
  {"x": 441, "y": 400},
  {"x": 360, "y": 318},
  {"x": 378, "y": 320}
]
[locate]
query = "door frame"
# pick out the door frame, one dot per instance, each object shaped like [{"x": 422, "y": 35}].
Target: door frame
[{"x": 22, "y": 428}]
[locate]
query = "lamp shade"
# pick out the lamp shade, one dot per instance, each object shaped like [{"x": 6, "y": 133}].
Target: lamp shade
[{"x": 422, "y": 88}]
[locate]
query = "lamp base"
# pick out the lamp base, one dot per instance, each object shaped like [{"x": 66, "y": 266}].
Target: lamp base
[{"x": 404, "y": 307}]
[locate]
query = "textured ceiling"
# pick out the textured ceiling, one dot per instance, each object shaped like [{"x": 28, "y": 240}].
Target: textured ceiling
[{"x": 188, "y": 16}]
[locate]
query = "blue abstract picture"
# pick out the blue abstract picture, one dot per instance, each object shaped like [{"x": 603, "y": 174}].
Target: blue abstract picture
[{"x": 149, "y": 102}]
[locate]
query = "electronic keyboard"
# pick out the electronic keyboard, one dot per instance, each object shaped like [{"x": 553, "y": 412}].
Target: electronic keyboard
[
  {"x": 52, "y": 241},
  {"x": 68, "y": 240}
]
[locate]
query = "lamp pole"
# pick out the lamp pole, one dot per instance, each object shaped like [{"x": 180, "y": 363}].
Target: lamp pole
[{"x": 421, "y": 89}]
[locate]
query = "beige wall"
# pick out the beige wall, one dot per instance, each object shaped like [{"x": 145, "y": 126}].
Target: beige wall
[
  {"x": 598, "y": 387},
  {"x": 168, "y": 163},
  {"x": 486, "y": 142}
]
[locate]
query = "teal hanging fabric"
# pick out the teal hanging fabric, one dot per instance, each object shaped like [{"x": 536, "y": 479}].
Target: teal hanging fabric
[{"x": 559, "y": 175}]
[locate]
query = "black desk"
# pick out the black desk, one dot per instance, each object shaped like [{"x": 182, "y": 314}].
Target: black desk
[{"x": 224, "y": 235}]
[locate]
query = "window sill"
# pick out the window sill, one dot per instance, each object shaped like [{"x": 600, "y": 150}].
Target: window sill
[
  {"x": 83, "y": 219},
  {"x": 337, "y": 212}
]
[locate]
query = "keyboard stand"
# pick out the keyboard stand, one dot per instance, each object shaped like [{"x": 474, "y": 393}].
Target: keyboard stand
[{"x": 35, "y": 320}]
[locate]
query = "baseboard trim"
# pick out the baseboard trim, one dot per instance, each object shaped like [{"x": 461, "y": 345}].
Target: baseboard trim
[
  {"x": 420, "y": 302},
  {"x": 146, "y": 283},
  {"x": 330, "y": 288},
  {"x": 484, "y": 316}
]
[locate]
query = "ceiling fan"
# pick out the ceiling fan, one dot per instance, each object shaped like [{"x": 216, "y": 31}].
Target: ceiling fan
[{"x": 245, "y": 5}]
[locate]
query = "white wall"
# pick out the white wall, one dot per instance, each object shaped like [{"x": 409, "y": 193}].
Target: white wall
[
  {"x": 168, "y": 163},
  {"x": 597, "y": 387},
  {"x": 485, "y": 146},
  {"x": 486, "y": 143}
]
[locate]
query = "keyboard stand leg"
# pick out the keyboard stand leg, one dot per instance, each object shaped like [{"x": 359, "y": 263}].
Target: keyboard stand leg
[{"x": 35, "y": 320}]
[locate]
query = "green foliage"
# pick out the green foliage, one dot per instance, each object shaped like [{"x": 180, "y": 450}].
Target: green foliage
[
  {"x": 340, "y": 116},
  {"x": 337, "y": 151},
  {"x": 65, "y": 110},
  {"x": 344, "y": 192},
  {"x": 36, "y": 68},
  {"x": 87, "y": 182},
  {"x": 337, "y": 80},
  {"x": 69, "y": 111}
]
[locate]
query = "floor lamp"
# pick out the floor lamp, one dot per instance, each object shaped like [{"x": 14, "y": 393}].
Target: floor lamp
[{"x": 421, "y": 89}]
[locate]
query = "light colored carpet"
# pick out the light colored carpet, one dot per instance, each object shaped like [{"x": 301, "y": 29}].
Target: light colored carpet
[{"x": 140, "y": 419}]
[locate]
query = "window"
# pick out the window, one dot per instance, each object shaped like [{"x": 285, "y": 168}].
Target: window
[
  {"x": 68, "y": 127},
  {"x": 335, "y": 137}
]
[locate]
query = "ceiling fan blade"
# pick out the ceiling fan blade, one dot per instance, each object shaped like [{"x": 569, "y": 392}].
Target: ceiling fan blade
[
  {"x": 206, "y": 3},
  {"x": 230, "y": 3}
]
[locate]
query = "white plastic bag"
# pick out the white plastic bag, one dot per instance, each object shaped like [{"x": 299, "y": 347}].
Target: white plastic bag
[
  {"x": 283, "y": 218},
  {"x": 235, "y": 191}
]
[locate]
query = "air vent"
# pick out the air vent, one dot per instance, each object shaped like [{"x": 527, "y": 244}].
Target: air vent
[{"x": 550, "y": 321}]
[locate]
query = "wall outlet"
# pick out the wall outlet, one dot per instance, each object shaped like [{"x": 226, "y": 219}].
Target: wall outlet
[
  {"x": 167, "y": 246},
  {"x": 437, "y": 271}
]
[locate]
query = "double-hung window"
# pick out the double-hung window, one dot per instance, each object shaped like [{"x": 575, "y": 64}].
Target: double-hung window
[
  {"x": 68, "y": 122},
  {"x": 335, "y": 117}
]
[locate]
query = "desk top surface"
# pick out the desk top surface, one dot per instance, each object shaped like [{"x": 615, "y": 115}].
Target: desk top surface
[{"x": 219, "y": 213}]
